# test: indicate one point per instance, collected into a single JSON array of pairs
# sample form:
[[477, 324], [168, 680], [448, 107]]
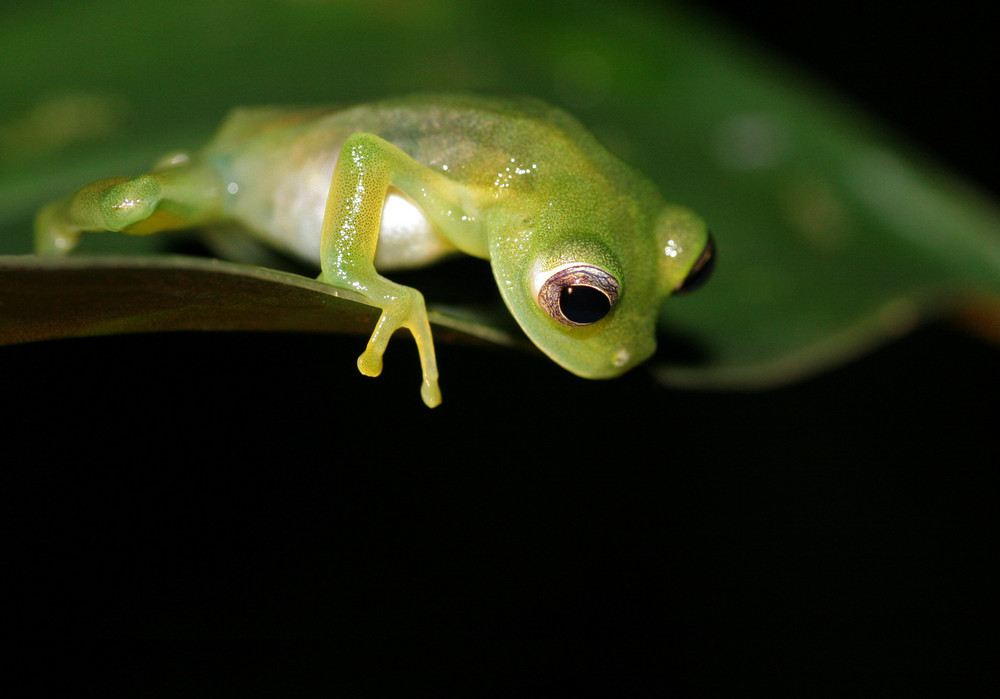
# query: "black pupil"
[[583, 304]]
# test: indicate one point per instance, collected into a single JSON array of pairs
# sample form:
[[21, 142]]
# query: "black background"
[[549, 534]]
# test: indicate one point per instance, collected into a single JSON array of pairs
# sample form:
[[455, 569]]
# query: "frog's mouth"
[[602, 350]]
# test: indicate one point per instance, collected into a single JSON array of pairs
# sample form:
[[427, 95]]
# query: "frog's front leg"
[[367, 165], [169, 199]]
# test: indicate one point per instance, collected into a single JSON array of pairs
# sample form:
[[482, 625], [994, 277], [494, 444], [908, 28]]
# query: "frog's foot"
[[406, 310], [112, 204]]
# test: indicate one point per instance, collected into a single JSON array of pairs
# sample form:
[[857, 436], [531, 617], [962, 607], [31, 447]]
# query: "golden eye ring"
[[577, 294]]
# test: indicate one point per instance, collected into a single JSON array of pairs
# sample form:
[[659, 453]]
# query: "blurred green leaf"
[[832, 236]]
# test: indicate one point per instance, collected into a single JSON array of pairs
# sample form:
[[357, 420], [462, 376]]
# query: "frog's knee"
[[130, 201]]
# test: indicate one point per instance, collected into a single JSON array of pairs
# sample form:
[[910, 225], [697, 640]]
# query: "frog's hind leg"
[[168, 199]]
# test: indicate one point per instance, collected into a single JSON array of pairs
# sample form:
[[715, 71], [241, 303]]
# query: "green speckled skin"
[[514, 180]]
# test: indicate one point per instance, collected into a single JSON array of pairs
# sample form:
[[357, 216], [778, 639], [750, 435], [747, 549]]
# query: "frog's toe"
[[431, 393], [53, 236], [370, 362]]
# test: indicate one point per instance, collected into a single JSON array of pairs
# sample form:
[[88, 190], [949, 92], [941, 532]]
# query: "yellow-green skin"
[[515, 181]]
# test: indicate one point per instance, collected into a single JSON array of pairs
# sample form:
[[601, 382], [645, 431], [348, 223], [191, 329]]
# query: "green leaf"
[[45, 298]]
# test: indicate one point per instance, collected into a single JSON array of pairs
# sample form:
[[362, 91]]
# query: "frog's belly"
[[286, 212]]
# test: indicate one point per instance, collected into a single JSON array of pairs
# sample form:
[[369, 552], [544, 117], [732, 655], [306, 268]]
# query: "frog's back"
[[461, 129]]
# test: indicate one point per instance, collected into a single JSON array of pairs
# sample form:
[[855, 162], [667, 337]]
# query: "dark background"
[[548, 533]]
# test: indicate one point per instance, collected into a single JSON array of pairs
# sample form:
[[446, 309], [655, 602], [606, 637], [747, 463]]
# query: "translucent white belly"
[[286, 211]]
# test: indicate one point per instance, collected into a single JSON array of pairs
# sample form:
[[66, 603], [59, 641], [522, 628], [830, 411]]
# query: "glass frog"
[[582, 247]]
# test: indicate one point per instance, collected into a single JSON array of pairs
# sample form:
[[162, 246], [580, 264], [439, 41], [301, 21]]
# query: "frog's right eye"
[[577, 294], [701, 270]]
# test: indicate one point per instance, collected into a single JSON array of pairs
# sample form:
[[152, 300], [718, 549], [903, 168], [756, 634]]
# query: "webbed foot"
[[404, 307], [111, 204], [410, 312]]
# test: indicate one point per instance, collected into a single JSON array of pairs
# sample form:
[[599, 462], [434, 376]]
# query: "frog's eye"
[[577, 294], [701, 270]]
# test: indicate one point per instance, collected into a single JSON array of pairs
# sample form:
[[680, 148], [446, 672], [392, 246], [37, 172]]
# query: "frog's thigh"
[[366, 167], [169, 199]]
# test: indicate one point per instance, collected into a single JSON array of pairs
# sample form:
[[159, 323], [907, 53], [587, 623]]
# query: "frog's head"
[[590, 300]]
